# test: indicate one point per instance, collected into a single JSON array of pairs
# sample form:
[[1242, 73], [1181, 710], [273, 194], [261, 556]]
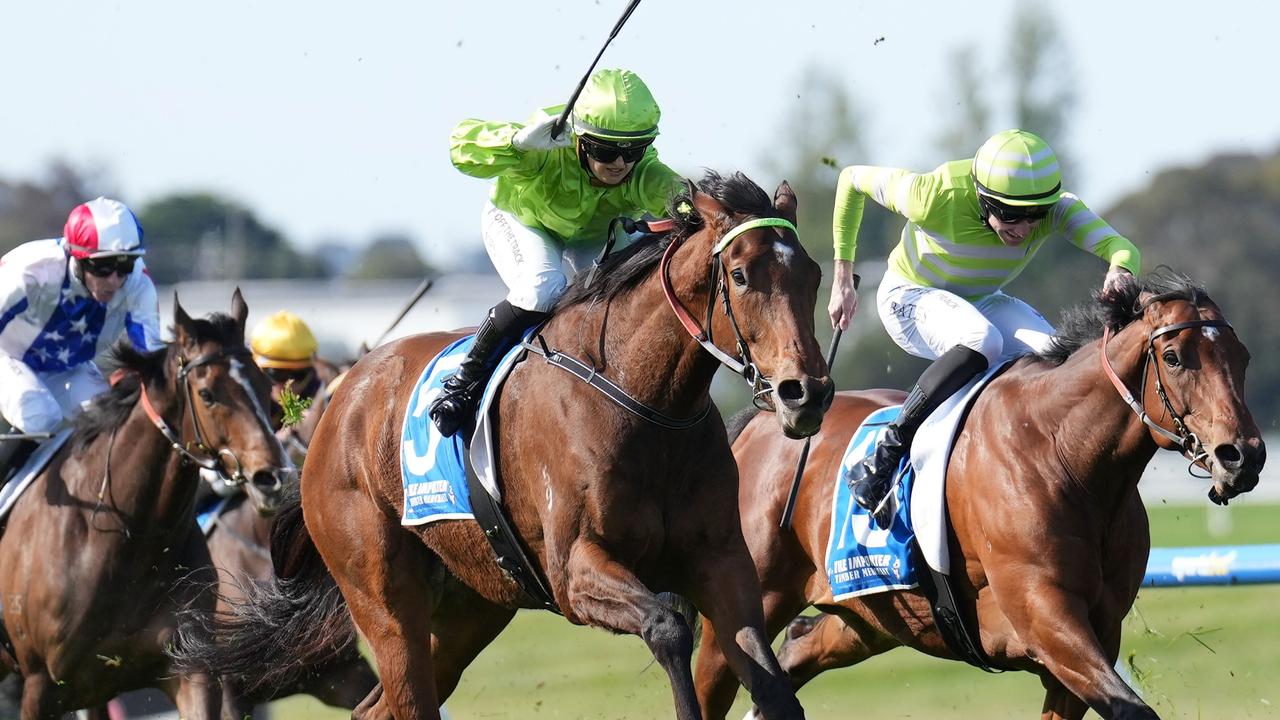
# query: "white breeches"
[[927, 322], [535, 266], [34, 402]]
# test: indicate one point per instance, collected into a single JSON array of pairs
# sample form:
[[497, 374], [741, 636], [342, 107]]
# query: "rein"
[[1189, 445], [209, 459], [746, 367]]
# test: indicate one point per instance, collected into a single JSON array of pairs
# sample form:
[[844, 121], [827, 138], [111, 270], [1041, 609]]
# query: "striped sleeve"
[[890, 187], [1089, 232]]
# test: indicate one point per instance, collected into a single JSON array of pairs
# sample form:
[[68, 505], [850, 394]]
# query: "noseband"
[[208, 457], [746, 367], [1188, 444]]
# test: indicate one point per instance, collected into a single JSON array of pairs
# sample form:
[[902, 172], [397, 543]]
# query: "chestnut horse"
[[611, 507], [1049, 537], [102, 549]]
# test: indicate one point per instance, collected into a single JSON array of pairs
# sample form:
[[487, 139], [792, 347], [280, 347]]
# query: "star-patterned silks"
[[70, 336]]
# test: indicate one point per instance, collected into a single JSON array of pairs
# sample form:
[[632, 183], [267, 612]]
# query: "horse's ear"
[[785, 201], [184, 331], [707, 206], [239, 310]]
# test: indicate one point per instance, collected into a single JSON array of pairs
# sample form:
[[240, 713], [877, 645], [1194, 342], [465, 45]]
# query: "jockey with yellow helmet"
[[972, 226], [284, 347], [550, 206]]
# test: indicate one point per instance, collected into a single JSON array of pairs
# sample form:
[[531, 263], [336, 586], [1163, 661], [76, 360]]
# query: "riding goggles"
[[607, 152], [1012, 213], [107, 266], [280, 376]]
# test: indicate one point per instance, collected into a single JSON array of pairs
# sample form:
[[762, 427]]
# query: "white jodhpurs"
[[535, 266], [37, 402], [927, 322]]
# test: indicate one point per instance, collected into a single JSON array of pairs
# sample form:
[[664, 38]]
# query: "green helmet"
[[616, 106], [1017, 168]]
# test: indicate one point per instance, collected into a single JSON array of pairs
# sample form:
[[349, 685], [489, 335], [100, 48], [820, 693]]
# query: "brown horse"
[[1049, 537], [102, 550], [612, 508]]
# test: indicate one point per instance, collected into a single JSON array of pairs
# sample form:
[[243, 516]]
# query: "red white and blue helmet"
[[102, 227]]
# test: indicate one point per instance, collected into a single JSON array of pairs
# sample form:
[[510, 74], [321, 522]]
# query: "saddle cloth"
[[30, 469], [862, 558], [432, 467]]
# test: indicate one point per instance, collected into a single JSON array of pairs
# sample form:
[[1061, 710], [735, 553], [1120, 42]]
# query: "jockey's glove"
[[537, 137]]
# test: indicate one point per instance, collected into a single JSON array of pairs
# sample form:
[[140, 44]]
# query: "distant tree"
[[1044, 86], [390, 256], [37, 209], [204, 236]]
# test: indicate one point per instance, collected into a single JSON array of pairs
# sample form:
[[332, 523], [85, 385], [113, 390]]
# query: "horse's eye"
[[206, 396], [739, 278], [1171, 358]]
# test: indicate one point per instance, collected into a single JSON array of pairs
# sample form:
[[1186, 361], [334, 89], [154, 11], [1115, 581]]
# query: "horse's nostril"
[[267, 481], [1228, 456], [790, 391]]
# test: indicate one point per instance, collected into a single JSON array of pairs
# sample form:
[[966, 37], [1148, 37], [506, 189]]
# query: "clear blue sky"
[[331, 120]]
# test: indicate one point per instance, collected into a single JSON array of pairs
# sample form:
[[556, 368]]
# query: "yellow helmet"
[[282, 340]]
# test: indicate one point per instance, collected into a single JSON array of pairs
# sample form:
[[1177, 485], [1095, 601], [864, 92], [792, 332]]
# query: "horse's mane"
[[109, 410], [626, 268], [1084, 323]]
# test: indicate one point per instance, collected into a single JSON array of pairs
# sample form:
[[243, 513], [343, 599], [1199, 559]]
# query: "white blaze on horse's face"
[[784, 252], [238, 374], [1210, 333]]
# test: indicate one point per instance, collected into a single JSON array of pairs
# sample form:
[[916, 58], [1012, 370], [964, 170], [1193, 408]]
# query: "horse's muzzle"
[[1237, 467], [266, 487], [801, 404]]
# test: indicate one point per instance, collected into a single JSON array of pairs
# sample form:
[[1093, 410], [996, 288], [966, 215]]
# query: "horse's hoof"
[[800, 627]]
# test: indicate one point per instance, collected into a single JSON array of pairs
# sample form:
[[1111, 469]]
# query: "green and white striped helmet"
[[616, 106], [1017, 168]]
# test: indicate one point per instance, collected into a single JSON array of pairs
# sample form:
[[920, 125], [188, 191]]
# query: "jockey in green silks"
[[550, 207], [972, 226]]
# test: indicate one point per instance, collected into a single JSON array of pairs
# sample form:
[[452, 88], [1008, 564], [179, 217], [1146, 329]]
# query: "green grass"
[[1195, 653]]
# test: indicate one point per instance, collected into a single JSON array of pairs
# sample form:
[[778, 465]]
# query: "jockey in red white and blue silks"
[[64, 302]]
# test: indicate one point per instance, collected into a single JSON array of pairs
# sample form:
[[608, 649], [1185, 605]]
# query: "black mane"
[[109, 410], [626, 268], [1082, 324]]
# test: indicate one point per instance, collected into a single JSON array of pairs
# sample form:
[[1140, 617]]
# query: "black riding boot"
[[505, 323], [873, 477]]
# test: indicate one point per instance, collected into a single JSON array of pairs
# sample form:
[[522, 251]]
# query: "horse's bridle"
[[746, 367], [209, 458], [1189, 445]]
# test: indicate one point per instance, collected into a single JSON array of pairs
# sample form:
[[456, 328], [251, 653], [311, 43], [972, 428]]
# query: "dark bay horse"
[[1049, 535], [612, 508], [102, 550]]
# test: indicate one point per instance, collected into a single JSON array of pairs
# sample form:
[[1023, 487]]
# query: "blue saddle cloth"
[[861, 558], [432, 467]]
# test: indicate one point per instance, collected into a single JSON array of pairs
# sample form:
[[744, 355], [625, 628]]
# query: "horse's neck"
[[637, 342], [1101, 442], [148, 484]]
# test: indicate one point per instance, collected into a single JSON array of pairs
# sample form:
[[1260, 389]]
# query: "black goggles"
[[1012, 213], [108, 266], [280, 376], [607, 152]]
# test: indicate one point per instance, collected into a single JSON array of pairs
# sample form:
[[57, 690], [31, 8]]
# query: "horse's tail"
[[283, 629], [739, 422]]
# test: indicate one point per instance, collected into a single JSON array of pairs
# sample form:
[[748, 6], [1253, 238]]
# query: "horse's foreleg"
[[39, 697], [604, 593], [715, 679], [728, 595], [1058, 629], [198, 697], [1060, 703]]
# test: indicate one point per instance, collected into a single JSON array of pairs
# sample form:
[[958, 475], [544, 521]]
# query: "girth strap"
[[502, 538], [956, 633]]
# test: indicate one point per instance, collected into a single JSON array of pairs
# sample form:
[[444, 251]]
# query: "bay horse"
[[612, 508], [1049, 536], [102, 550]]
